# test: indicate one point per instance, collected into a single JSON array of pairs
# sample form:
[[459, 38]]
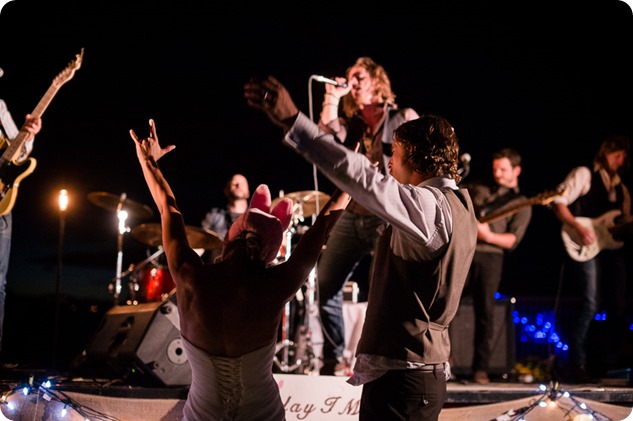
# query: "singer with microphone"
[[368, 115]]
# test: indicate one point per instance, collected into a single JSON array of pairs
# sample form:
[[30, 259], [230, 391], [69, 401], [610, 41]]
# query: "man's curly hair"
[[430, 146]]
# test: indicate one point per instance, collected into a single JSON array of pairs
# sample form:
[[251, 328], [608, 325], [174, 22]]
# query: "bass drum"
[[153, 283]]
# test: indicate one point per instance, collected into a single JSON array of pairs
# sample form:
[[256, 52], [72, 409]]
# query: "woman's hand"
[[149, 148]]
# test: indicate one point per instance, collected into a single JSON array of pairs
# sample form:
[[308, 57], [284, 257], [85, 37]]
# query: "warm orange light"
[[63, 200]]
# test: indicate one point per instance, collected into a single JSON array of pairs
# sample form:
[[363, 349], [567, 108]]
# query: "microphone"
[[465, 160], [324, 79]]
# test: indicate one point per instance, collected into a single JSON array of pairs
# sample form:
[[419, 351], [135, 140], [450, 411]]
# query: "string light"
[[49, 394], [551, 399]]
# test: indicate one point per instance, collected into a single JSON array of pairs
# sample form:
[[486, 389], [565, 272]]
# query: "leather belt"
[[355, 208], [431, 367]]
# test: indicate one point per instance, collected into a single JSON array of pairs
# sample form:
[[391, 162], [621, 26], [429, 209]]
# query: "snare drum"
[[153, 283]]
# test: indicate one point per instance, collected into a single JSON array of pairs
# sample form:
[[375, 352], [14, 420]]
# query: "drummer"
[[218, 219]]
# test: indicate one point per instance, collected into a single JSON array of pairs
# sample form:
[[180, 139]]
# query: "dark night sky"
[[548, 82]]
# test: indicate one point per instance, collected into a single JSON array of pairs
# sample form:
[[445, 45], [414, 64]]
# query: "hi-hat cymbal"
[[110, 202], [305, 202], [152, 235]]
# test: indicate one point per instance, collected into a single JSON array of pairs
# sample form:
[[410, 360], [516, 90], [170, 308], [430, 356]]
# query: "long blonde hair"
[[381, 82]]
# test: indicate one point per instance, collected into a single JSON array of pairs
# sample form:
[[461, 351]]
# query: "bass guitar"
[[12, 172], [540, 199], [607, 231]]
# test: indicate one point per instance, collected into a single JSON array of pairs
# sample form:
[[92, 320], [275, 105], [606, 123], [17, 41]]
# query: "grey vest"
[[411, 303]]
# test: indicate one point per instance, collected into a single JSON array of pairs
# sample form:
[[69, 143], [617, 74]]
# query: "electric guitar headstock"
[[68, 73], [548, 196]]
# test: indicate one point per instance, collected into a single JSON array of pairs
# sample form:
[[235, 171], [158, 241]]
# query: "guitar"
[[606, 231], [11, 172], [540, 199]]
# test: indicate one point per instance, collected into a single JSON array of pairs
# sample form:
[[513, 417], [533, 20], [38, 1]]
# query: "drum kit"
[[149, 280]]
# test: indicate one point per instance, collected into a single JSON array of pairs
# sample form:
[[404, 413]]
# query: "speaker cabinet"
[[462, 334], [142, 339]]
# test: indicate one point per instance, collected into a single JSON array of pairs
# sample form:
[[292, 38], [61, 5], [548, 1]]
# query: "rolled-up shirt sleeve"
[[419, 214], [11, 131], [576, 184]]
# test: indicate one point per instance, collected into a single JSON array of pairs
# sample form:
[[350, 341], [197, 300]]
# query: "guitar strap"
[[497, 201]]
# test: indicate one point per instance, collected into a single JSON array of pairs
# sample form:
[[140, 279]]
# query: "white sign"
[[308, 397]]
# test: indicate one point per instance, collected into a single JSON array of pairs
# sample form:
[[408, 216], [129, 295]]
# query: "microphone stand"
[[311, 309], [286, 344]]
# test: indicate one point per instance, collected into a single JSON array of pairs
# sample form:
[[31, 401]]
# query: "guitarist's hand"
[[483, 232], [586, 235], [149, 147], [32, 125]]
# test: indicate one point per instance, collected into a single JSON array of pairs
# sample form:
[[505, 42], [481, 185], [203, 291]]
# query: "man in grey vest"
[[422, 256]]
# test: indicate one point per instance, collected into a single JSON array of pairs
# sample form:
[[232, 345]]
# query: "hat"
[[268, 223]]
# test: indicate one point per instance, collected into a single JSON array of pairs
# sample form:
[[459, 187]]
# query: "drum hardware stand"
[[140, 265], [312, 366], [310, 362], [122, 216], [311, 310], [285, 345]]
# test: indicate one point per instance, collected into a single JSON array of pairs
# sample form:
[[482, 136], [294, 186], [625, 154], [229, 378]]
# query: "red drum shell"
[[155, 283]]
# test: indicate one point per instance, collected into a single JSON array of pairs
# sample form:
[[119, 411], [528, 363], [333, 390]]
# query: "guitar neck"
[[16, 144], [507, 211], [12, 151]]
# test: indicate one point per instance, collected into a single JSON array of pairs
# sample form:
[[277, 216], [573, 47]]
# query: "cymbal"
[[305, 201], [149, 234], [110, 202], [152, 235], [200, 238]]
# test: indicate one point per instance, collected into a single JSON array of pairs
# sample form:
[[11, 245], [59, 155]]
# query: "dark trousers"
[[404, 395], [484, 279], [601, 283], [353, 237]]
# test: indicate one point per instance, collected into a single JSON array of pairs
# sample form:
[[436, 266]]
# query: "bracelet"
[[330, 103], [331, 94]]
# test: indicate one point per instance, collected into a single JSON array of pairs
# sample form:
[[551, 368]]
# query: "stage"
[[137, 373], [306, 397]]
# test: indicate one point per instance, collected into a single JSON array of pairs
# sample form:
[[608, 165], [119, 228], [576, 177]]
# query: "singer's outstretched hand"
[[271, 97]]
